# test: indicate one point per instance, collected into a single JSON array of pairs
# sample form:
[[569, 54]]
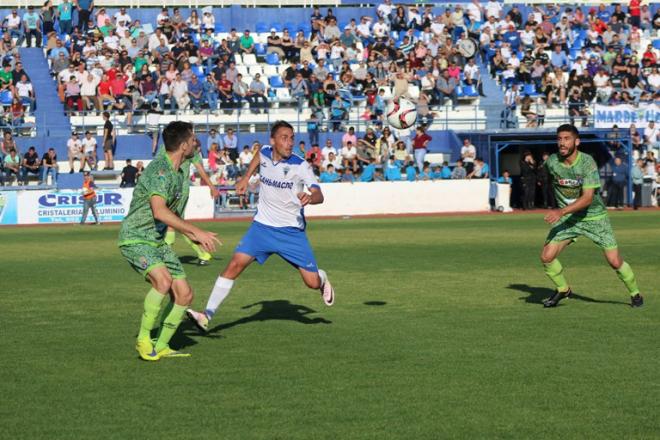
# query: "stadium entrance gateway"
[[505, 149]]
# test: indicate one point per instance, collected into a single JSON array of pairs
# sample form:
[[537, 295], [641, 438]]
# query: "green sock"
[[152, 304], [163, 314], [170, 325], [555, 272], [170, 236], [201, 253], [626, 275]]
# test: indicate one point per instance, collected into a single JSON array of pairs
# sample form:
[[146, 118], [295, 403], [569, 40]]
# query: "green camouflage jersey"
[[159, 178], [185, 167], [568, 181]]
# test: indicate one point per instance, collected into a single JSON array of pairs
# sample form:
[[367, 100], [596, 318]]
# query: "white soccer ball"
[[401, 113]]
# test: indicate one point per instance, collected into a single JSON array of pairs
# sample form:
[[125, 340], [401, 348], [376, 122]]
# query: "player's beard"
[[571, 150]]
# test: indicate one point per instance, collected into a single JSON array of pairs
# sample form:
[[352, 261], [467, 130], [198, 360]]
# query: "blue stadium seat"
[[459, 91], [305, 27], [275, 81], [273, 59], [470, 91], [277, 26], [219, 27], [197, 70], [260, 49], [530, 89], [5, 97]]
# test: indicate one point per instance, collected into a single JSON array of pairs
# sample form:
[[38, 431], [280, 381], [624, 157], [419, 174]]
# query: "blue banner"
[[625, 115]]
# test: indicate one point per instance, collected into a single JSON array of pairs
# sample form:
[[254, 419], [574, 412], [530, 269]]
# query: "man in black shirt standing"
[[108, 142], [528, 180], [128, 175]]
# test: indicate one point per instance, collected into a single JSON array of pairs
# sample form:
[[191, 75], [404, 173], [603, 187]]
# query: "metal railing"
[[466, 117]]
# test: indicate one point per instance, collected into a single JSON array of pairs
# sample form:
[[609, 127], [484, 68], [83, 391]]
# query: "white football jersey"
[[280, 184]]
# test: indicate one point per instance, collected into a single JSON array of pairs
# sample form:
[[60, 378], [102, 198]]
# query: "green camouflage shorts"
[[144, 258], [598, 230]]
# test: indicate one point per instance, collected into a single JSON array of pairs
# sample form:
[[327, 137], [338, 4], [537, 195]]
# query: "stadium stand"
[[470, 66]]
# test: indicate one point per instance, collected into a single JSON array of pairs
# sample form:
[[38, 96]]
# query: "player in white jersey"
[[279, 225]]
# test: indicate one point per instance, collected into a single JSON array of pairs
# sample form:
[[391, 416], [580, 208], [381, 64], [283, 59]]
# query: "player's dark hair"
[[176, 133], [570, 128], [277, 125]]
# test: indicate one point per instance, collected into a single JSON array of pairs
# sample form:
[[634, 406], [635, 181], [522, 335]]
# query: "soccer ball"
[[401, 113]]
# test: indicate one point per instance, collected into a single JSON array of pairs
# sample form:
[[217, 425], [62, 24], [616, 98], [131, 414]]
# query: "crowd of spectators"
[[18, 167], [376, 156], [572, 56], [17, 95], [112, 62]]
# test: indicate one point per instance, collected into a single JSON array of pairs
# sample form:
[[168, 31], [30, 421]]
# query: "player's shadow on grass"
[[270, 310], [536, 295]]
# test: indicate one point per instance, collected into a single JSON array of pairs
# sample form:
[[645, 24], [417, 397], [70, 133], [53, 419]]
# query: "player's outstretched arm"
[[207, 240], [580, 204], [241, 185]]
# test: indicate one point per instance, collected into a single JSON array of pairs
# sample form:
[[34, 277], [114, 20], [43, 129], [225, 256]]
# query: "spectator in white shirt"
[[438, 25], [474, 11], [493, 9], [468, 154], [88, 94], [333, 160], [179, 91], [327, 149], [13, 23], [89, 151], [122, 18], [67, 73], [155, 40], [74, 149], [349, 156], [364, 29], [208, 20], [384, 10], [25, 92], [654, 79], [162, 17], [245, 158], [111, 40], [381, 28], [651, 134], [601, 82]]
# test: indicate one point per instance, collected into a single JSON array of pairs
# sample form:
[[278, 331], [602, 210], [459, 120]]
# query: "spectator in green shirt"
[[6, 78], [246, 42]]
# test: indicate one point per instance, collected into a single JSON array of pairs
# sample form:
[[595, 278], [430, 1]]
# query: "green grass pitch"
[[437, 332]]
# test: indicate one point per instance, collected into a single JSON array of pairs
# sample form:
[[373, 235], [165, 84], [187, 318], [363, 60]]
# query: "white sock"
[[323, 277], [220, 291]]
